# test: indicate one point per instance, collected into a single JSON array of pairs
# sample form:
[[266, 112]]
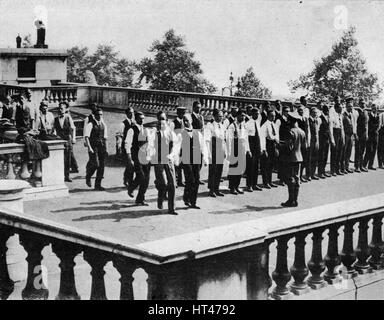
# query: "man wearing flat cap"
[[297, 139]]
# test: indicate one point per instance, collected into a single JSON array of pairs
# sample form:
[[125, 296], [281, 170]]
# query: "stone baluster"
[[377, 245], [66, 252], [10, 171], [97, 260], [24, 172], [332, 259], [348, 256], [281, 275], [316, 265], [362, 250], [6, 284], [35, 288], [126, 269], [299, 270]]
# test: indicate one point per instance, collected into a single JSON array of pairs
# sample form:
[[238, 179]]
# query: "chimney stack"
[[18, 41]]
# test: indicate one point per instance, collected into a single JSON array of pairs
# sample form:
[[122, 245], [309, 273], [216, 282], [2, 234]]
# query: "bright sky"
[[279, 39]]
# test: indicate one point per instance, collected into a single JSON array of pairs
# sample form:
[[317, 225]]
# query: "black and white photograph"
[[213, 150]]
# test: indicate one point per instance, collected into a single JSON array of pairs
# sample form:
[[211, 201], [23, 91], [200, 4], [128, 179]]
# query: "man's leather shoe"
[[328, 175], [88, 182], [99, 188], [219, 194], [287, 204], [322, 176], [273, 185], [281, 183], [193, 206], [68, 180], [302, 179], [372, 168], [173, 212], [233, 191], [350, 170], [212, 194], [309, 179], [339, 173], [239, 191], [187, 204], [267, 186], [248, 189], [143, 203], [130, 193], [334, 174], [315, 178], [364, 169], [257, 188], [357, 170]]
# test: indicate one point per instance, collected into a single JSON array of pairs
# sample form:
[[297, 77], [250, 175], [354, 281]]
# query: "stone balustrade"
[[45, 177], [226, 262]]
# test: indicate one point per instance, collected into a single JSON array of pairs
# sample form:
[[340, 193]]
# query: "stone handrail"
[[201, 263], [46, 176]]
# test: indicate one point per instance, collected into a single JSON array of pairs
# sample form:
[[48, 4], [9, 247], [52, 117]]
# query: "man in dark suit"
[[297, 138], [324, 142], [373, 136], [361, 136]]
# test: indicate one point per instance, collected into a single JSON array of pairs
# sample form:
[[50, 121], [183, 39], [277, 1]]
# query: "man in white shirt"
[[176, 126], [136, 145], [44, 119], [96, 135], [217, 150], [165, 147], [193, 152], [269, 158], [231, 117], [257, 146], [336, 129], [238, 151]]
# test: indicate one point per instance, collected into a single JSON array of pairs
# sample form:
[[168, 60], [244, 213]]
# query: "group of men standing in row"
[[251, 140]]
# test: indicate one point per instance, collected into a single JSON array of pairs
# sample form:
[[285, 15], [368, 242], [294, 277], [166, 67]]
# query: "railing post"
[[126, 269], [66, 252], [97, 260], [317, 265], [35, 288], [362, 250], [281, 275], [6, 284], [258, 279], [299, 270], [10, 171], [376, 245], [332, 259], [348, 256]]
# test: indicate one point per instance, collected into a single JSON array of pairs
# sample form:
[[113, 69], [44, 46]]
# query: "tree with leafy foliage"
[[105, 63], [252, 87], [173, 67], [343, 72]]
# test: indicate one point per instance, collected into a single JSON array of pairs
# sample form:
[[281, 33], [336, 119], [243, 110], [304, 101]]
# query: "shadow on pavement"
[[118, 216], [246, 209]]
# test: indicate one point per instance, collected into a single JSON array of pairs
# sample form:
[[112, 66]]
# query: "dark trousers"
[[323, 154], [234, 180], [371, 148], [128, 171], [360, 146], [96, 162], [142, 172], [214, 176], [74, 164], [165, 183], [68, 150], [293, 181], [192, 178], [267, 163], [380, 148], [347, 152], [313, 159], [179, 173], [336, 151], [305, 165], [252, 169]]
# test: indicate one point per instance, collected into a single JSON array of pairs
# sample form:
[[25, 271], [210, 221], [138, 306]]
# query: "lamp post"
[[231, 86]]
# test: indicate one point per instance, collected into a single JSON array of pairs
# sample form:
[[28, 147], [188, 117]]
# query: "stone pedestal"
[[12, 193]]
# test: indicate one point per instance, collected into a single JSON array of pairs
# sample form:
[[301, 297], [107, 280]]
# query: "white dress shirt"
[[251, 126]]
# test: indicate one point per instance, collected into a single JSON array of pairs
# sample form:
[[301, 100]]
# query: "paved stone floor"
[[113, 214]]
